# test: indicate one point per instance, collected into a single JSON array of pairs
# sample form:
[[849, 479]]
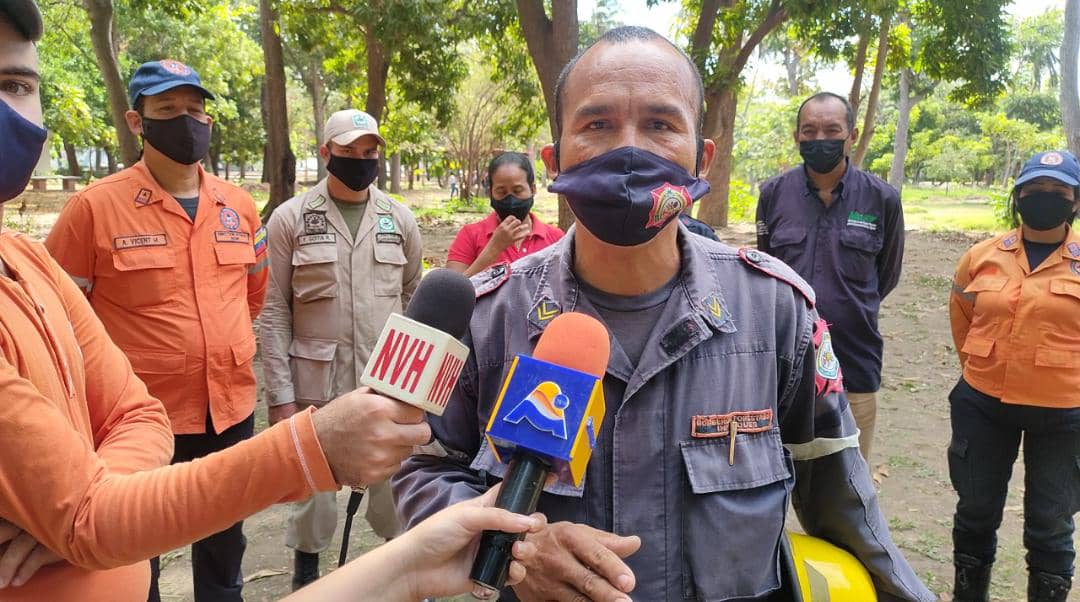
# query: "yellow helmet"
[[827, 573]]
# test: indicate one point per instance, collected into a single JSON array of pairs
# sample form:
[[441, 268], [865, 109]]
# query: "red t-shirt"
[[472, 239]]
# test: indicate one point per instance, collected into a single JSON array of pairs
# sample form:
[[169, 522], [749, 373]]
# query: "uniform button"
[[754, 256]]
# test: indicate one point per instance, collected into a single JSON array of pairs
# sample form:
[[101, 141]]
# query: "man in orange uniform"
[[82, 475], [173, 260]]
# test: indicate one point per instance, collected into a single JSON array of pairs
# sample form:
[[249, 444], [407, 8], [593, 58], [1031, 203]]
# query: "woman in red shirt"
[[512, 230]]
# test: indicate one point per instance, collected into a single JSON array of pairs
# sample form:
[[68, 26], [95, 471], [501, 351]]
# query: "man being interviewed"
[[173, 261], [724, 399], [344, 256]]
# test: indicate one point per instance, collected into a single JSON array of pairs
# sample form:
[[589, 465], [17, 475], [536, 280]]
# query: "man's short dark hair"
[[24, 16], [828, 96], [622, 35]]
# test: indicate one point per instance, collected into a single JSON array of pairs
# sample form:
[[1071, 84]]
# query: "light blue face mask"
[[20, 148]]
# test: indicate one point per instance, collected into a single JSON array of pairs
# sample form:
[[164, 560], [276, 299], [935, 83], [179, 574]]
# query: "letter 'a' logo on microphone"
[[544, 408]]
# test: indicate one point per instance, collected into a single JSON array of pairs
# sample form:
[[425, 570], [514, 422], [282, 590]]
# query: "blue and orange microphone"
[[545, 421]]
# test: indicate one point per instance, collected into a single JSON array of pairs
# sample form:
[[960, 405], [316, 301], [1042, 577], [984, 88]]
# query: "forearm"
[[426, 484], [380, 574], [488, 256], [112, 520], [835, 500], [275, 336]]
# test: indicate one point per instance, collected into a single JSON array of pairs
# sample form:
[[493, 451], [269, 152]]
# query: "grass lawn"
[[960, 208], [926, 207]]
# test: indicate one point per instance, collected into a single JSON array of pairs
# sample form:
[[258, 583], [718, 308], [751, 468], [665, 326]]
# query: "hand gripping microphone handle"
[[418, 358], [545, 421], [520, 493]]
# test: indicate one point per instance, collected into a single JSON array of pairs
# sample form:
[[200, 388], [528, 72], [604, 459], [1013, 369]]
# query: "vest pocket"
[[389, 265], [312, 362], [315, 272]]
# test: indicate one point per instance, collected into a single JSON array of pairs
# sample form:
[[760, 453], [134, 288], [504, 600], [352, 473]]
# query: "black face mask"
[[822, 156], [512, 205], [356, 174], [1044, 210], [183, 139]]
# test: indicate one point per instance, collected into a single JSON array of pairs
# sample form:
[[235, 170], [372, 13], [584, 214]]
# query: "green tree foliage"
[[75, 107]]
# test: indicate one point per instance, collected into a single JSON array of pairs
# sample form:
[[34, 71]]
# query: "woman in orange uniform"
[[1015, 313]]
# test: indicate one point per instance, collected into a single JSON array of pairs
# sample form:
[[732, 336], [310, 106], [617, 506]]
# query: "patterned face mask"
[[626, 196]]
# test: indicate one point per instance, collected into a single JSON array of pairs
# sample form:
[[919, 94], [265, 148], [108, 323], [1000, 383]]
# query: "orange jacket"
[[178, 298], [1018, 331], [83, 443]]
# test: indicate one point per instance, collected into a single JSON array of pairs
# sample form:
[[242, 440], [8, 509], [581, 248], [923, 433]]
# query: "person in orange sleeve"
[[173, 261], [1015, 313]]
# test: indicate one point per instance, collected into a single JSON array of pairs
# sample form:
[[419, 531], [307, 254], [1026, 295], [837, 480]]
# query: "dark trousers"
[[215, 561], [986, 436]]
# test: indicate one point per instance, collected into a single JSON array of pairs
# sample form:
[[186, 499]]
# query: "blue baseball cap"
[[156, 77], [1059, 165]]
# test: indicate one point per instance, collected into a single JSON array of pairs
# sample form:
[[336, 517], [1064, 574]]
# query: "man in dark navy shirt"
[[841, 229]]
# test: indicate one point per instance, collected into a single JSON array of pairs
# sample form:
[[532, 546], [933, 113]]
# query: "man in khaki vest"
[[344, 256]]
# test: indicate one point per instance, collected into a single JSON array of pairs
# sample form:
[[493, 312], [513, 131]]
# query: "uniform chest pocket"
[[859, 249], [742, 501], [234, 260], [314, 274], [985, 284], [145, 277], [1066, 289], [389, 268], [785, 241]]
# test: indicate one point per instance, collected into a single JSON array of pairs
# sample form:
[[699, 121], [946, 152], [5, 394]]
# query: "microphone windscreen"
[[444, 300], [575, 340]]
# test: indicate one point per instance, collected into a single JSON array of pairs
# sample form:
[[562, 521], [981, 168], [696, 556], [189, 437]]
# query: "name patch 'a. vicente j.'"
[[139, 240]]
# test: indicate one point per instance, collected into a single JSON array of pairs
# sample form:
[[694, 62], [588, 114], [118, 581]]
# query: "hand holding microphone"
[[365, 437], [417, 361], [546, 421]]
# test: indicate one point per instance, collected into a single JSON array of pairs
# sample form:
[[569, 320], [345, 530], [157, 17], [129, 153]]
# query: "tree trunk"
[[552, 43], [72, 159], [412, 175], [791, 64], [1070, 95], [378, 70], [720, 126], [870, 118], [243, 171], [315, 83], [97, 161], [903, 124], [215, 159], [395, 173], [101, 12], [280, 164], [855, 95], [110, 158], [226, 170]]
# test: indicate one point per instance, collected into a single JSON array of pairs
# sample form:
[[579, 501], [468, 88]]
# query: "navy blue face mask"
[[626, 196], [20, 148]]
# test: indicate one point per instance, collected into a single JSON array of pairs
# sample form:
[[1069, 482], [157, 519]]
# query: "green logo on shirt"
[[862, 220]]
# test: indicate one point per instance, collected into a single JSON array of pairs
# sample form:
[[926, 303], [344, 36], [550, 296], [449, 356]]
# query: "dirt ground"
[[909, 454]]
